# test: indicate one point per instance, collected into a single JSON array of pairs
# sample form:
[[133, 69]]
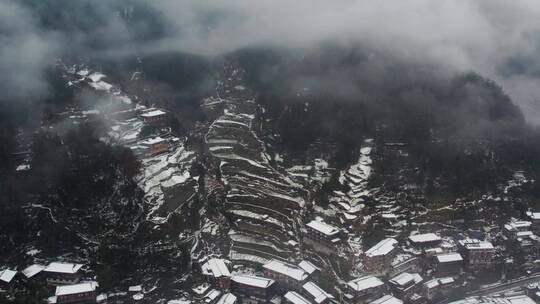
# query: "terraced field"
[[167, 183], [263, 201]]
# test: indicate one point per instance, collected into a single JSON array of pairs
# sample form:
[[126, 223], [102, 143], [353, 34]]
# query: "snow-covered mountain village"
[[260, 235], [269, 151]]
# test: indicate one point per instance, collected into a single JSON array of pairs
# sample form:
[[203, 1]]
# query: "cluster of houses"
[[66, 282], [421, 270], [524, 234], [425, 267], [279, 281], [158, 141], [65, 278]]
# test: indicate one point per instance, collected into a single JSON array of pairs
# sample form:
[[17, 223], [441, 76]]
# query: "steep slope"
[[263, 202]]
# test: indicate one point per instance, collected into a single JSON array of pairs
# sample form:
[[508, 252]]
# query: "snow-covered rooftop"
[[201, 289], [295, 298], [387, 299], [438, 281], [253, 281], [308, 267], [449, 257], [96, 76], [216, 268], [212, 295], [76, 288], [318, 294], [63, 267], [324, 228], [433, 251], [533, 215], [424, 238], [515, 299], [406, 278], [135, 288], [227, 298], [23, 167], [32, 270], [524, 233], [7, 275], [383, 247], [479, 245], [364, 283], [517, 226], [179, 301], [289, 270], [101, 85]]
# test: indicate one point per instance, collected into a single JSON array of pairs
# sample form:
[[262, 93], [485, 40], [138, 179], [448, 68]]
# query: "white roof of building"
[[466, 241], [438, 281], [253, 281], [364, 283], [387, 299], [153, 113], [295, 298], [76, 288], [324, 228], [435, 250], [135, 288], [383, 247], [179, 301], [479, 245], [32, 270], [289, 270], [517, 225], [424, 238], [227, 298], [518, 299], [318, 294], [201, 289], [405, 278], [212, 295], [446, 280], [533, 215], [308, 267], [216, 268], [449, 257], [524, 233], [63, 267], [7, 275]]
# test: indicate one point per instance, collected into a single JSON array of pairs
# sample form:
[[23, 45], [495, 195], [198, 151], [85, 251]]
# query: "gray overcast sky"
[[497, 38]]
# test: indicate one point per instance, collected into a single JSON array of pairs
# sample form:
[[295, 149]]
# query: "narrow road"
[[499, 288], [505, 286]]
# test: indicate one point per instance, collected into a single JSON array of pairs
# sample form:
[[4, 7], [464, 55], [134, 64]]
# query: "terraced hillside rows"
[[355, 177], [263, 202], [167, 182]]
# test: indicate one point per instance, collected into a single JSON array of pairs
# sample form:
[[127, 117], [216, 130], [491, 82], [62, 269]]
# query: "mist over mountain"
[[493, 38]]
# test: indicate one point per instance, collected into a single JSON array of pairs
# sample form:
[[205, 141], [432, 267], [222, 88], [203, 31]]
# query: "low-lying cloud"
[[492, 37]]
